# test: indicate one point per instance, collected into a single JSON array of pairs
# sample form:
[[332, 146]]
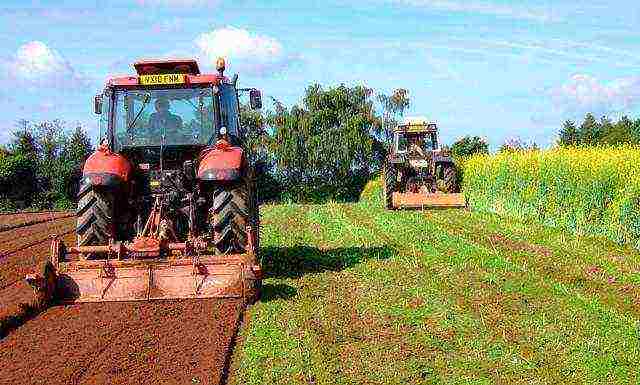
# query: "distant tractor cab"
[[417, 173], [167, 206]]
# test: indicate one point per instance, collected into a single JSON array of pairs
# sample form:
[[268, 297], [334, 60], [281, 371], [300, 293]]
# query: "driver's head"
[[162, 105]]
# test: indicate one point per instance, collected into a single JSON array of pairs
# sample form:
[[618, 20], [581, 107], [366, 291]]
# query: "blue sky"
[[491, 68]]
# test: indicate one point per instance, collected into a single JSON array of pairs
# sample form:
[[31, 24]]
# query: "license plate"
[[162, 79]]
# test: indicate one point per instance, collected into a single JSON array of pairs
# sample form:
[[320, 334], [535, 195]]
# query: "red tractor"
[[167, 206]]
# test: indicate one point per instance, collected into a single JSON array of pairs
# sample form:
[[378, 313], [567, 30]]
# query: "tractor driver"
[[163, 119], [415, 147]]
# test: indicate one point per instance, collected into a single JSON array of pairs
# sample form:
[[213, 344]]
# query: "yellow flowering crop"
[[586, 190]]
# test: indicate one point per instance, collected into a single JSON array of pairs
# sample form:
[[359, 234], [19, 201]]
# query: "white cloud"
[[485, 8], [244, 51], [37, 65], [584, 93]]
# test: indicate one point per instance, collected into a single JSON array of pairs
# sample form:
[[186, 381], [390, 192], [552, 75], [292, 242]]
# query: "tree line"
[[592, 132], [41, 165]]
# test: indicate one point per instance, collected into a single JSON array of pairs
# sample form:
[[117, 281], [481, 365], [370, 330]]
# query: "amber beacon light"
[[220, 65]]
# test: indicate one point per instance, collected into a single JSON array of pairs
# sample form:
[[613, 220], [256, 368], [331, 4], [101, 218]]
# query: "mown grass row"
[[585, 190], [355, 294]]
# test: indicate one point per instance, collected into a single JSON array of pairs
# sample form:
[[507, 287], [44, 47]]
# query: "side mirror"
[[97, 104], [255, 99]]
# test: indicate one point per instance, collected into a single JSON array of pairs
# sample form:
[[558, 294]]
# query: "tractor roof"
[[188, 67], [417, 124], [173, 66]]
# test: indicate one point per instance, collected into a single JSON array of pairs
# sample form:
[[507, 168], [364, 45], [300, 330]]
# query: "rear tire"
[[450, 179], [95, 214], [229, 217], [388, 185]]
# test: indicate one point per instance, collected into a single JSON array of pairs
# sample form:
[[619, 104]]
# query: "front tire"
[[389, 182], [95, 216], [450, 179], [229, 217]]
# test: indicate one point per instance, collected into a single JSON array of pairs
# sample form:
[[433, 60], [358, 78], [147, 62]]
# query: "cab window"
[[401, 142], [229, 108]]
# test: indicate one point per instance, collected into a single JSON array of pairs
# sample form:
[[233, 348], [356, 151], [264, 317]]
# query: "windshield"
[[180, 116], [411, 141]]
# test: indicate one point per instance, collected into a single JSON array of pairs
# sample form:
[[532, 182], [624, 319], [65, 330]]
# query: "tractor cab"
[[415, 137], [170, 103]]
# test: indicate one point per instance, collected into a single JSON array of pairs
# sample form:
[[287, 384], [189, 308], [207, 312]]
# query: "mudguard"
[[221, 162], [105, 168]]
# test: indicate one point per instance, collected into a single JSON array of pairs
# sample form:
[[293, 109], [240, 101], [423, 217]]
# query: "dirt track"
[[168, 342]]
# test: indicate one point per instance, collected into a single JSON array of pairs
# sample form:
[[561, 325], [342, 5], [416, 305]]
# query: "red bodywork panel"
[[103, 165], [133, 81], [221, 162]]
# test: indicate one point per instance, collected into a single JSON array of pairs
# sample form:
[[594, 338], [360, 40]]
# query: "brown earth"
[[21, 237], [16, 261], [11, 221], [18, 304], [15, 266], [168, 342]]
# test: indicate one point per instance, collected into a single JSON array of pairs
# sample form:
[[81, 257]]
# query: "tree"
[[399, 101], [258, 140], [589, 132], [24, 141], [76, 148], [43, 164], [393, 106], [17, 178], [619, 133], [569, 134], [468, 146], [325, 147], [635, 131]]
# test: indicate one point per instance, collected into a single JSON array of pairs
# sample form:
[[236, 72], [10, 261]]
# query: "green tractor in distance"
[[417, 173]]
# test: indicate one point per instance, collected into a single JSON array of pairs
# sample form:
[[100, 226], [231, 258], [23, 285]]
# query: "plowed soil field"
[[23, 248], [167, 342], [173, 342], [10, 221]]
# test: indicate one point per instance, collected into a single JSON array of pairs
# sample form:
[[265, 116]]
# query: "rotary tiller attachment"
[[144, 270]]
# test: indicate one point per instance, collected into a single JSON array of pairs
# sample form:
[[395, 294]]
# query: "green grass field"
[[358, 295]]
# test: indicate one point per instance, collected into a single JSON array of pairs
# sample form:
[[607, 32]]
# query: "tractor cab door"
[[400, 143], [229, 113]]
